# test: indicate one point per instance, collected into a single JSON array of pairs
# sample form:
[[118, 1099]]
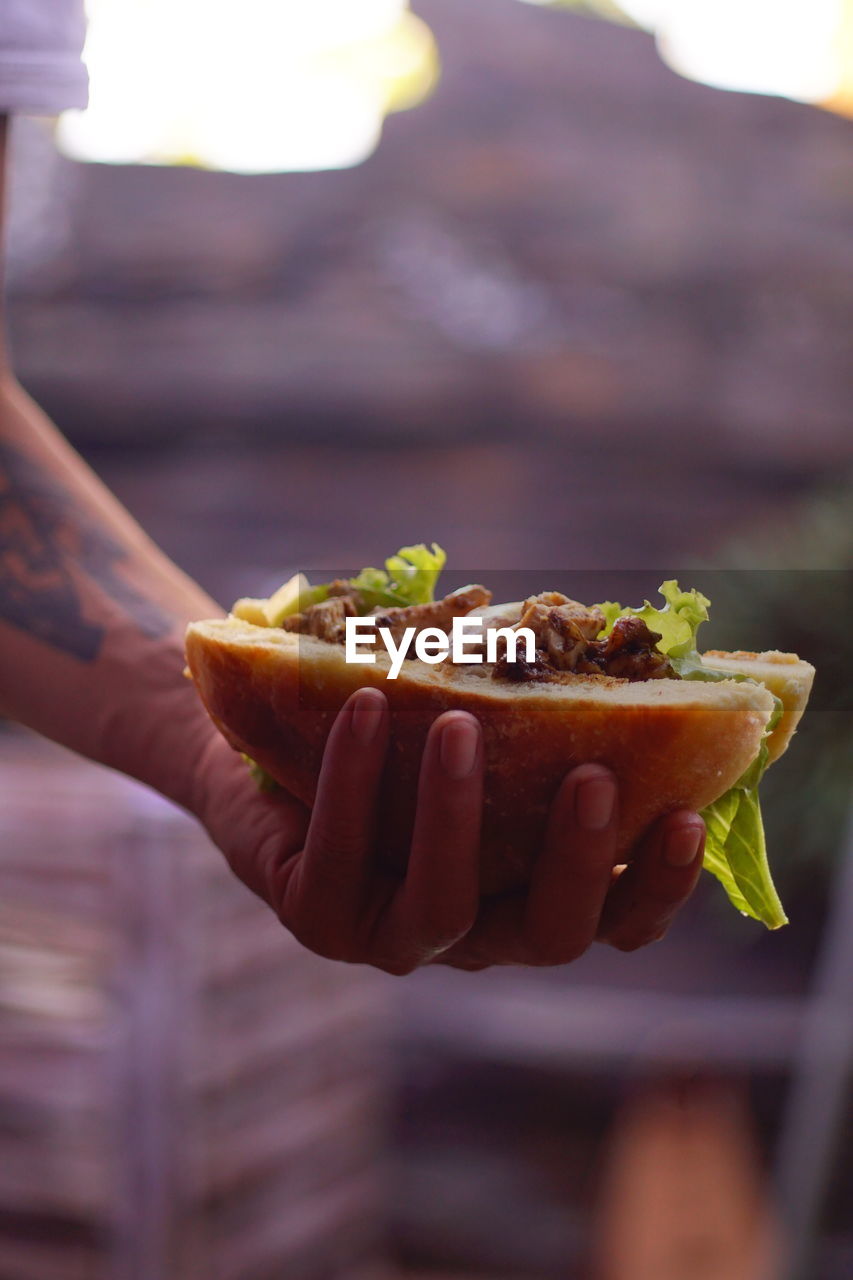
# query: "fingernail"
[[366, 715], [595, 800], [458, 751], [682, 845]]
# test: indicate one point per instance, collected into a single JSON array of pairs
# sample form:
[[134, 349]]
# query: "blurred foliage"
[[800, 599]]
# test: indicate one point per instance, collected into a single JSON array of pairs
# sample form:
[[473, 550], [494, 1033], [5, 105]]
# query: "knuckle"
[[658, 900], [551, 946], [397, 967], [438, 932], [264, 871], [336, 839], [313, 938], [666, 898], [592, 869], [313, 932], [552, 956]]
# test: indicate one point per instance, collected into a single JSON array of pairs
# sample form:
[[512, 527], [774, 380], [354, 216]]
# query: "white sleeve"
[[41, 72]]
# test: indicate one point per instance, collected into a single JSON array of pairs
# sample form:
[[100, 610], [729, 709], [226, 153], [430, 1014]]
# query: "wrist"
[[153, 725]]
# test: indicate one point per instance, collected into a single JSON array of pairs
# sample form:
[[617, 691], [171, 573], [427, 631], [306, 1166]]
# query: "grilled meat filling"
[[565, 633], [326, 620], [440, 613], [629, 653], [521, 671]]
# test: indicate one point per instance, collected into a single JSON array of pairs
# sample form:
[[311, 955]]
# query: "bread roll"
[[671, 743]]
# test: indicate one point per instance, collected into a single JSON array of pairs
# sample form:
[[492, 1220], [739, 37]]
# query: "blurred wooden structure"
[[684, 1196], [512, 1079], [185, 1093], [567, 240]]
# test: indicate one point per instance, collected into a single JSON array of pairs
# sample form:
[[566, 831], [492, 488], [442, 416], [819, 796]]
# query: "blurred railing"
[[184, 1090]]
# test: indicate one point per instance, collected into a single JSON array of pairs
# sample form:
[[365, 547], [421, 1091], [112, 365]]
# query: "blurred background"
[[565, 288]]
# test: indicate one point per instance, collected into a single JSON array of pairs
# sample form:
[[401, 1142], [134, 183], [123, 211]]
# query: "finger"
[[557, 919], [458, 957], [438, 900], [572, 876], [258, 833], [336, 863], [656, 883]]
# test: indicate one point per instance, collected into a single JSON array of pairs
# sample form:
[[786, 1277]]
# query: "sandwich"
[[625, 687]]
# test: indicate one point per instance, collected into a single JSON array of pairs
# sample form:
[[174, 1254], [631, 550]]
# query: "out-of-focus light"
[[786, 47], [256, 86], [800, 49]]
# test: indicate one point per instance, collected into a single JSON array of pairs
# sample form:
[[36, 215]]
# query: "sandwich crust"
[[671, 743], [784, 674]]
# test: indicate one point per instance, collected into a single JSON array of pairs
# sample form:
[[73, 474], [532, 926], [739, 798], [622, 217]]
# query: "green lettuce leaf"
[[677, 623], [263, 780], [735, 847], [736, 853], [409, 577]]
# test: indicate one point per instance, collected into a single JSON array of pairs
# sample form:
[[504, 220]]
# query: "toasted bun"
[[784, 674], [670, 743]]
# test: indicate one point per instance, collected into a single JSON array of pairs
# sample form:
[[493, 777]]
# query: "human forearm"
[[92, 613]]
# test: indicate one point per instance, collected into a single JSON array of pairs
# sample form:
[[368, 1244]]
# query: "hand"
[[317, 868]]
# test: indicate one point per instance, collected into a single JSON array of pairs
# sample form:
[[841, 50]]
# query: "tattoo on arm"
[[44, 537]]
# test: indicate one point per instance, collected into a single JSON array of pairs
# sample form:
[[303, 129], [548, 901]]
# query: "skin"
[[92, 617]]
